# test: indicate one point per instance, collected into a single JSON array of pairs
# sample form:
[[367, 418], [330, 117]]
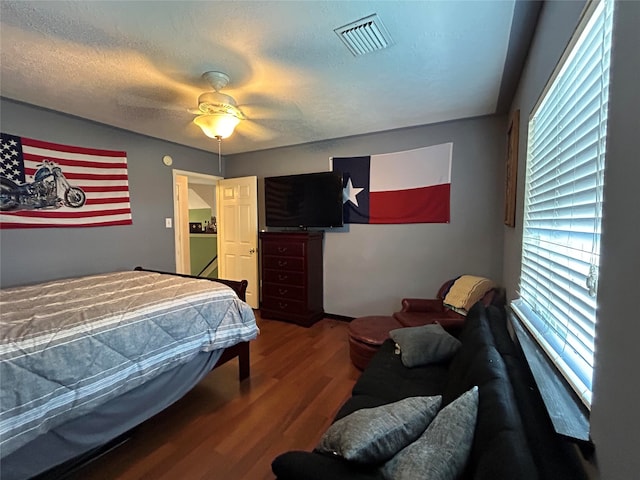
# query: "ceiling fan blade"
[[192, 130], [270, 112], [253, 130], [138, 101], [259, 106]]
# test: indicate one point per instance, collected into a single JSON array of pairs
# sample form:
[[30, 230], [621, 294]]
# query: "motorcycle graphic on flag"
[[49, 189]]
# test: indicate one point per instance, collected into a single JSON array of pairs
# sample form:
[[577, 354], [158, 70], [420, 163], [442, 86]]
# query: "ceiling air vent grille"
[[365, 35]]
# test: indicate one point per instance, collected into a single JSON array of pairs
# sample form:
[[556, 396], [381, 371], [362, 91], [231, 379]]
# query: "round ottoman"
[[366, 334]]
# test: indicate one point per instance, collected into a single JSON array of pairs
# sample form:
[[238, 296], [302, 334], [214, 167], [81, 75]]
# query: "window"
[[563, 202]]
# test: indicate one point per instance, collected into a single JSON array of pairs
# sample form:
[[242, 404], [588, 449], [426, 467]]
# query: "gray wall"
[[368, 269], [615, 417], [31, 255]]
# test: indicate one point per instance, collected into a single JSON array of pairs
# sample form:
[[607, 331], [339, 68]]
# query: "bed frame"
[[241, 350]]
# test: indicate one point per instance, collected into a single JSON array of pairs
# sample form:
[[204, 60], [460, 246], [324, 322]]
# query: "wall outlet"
[[168, 222]]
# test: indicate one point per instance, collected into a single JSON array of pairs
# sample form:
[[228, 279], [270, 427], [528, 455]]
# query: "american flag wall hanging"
[[45, 184]]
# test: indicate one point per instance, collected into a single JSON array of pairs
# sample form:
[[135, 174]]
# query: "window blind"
[[563, 202]]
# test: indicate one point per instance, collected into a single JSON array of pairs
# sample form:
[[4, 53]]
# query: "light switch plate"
[[168, 222]]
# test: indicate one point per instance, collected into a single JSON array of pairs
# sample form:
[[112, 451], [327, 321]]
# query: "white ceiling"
[[137, 65]]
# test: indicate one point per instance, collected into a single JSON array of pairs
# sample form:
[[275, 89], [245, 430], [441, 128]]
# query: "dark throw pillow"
[[374, 435], [442, 451], [425, 344]]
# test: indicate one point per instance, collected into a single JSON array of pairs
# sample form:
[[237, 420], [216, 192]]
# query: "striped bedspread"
[[68, 346]]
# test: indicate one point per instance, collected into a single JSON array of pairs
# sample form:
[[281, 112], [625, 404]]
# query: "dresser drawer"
[[286, 292], [284, 306], [279, 276], [283, 263], [283, 249]]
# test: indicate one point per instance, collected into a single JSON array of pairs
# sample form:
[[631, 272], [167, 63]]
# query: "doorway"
[[195, 224]]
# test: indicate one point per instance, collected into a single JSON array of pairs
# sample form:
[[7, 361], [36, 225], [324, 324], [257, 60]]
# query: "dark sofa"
[[513, 436]]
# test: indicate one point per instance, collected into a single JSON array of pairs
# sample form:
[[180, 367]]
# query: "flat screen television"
[[304, 200]]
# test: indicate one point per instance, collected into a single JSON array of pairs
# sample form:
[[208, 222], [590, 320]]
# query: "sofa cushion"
[[424, 345], [442, 450], [387, 379], [500, 447], [476, 327], [506, 457], [299, 465], [475, 337], [373, 435], [466, 371], [497, 321]]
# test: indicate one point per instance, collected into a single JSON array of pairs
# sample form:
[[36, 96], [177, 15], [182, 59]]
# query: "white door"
[[181, 221], [237, 209]]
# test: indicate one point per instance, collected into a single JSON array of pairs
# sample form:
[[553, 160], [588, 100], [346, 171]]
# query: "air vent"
[[365, 35]]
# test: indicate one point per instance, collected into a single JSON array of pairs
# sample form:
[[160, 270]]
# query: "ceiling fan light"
[[217, 125]]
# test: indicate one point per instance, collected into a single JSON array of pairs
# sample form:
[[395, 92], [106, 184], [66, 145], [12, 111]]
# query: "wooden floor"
[[224, 429]]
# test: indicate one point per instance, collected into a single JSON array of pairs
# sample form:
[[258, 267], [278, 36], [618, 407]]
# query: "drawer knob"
[[283, 305], [282, 277], [282, 263], [282, 291], [282, 249]]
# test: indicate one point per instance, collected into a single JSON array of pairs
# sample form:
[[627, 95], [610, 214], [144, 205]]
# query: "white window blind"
[[563, 202]]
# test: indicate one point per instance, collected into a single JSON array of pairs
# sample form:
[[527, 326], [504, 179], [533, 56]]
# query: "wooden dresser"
[[292, 276]]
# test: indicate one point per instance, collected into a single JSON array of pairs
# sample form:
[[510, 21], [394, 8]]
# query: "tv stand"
[[292, 277]]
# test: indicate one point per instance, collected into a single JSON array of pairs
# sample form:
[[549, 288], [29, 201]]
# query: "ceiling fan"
[[218, 113]]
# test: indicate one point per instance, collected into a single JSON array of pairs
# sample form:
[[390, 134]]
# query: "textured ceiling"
[[137, 65]]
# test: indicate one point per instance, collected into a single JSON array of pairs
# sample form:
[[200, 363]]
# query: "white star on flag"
[[349, 193]]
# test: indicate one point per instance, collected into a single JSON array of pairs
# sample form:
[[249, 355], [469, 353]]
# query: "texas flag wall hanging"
[[413, 186]]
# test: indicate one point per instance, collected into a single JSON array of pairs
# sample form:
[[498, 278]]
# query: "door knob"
[[253, 250]]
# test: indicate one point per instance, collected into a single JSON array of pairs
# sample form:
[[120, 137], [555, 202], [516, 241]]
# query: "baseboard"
[[342, 318]]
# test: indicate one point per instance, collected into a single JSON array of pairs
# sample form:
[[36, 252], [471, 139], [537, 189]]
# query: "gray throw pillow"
[[424, 345], [442, 451], [374, 435]]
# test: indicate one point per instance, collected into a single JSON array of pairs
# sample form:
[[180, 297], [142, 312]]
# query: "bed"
[[85, 360]]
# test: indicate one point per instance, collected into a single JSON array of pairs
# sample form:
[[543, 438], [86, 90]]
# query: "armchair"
[[422, 311]]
